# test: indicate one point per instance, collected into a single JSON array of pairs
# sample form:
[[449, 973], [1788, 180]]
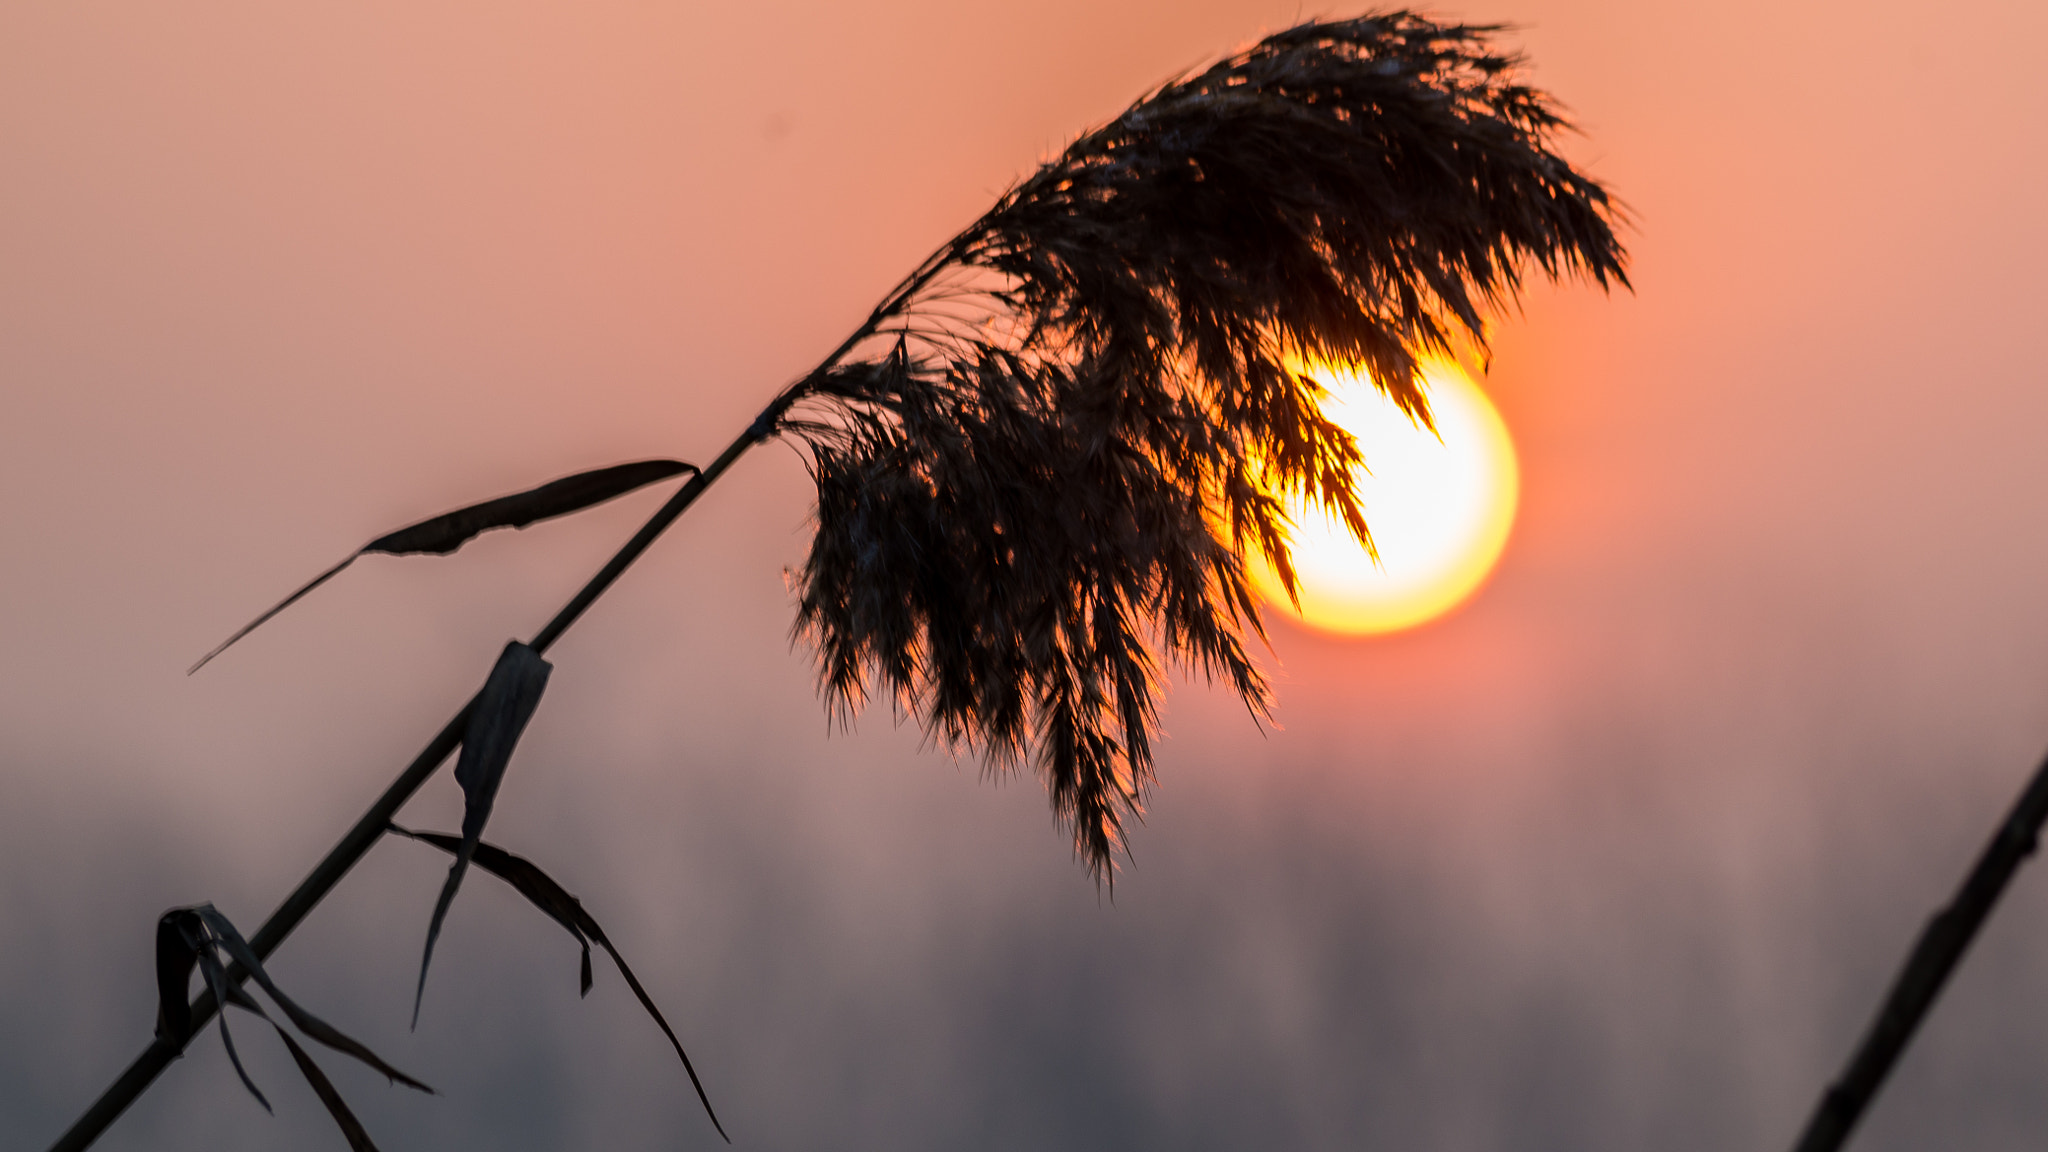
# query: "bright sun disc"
[[1439, 510]]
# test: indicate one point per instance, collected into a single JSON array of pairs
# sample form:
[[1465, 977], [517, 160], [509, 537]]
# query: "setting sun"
[[1439, 510]]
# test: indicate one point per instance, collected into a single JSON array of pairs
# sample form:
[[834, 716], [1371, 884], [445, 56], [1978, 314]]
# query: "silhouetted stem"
[[367, 830], [370, 828], [1939, 950]]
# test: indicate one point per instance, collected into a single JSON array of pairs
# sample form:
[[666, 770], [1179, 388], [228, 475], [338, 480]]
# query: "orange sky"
[[1618, 856]]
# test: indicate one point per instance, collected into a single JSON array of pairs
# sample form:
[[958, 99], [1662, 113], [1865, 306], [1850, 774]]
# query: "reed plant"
[[1042, 459]]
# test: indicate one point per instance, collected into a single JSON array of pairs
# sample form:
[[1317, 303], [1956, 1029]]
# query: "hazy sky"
[[1618, 857]]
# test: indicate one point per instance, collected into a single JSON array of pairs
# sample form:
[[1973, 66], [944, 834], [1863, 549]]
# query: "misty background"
[[1619, 856]]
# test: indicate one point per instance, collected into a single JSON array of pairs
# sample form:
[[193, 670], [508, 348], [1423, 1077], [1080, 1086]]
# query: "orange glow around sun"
[[1439, 510]]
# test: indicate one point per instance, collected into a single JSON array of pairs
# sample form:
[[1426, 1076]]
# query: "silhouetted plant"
[[1017, 495], [1041, 459]]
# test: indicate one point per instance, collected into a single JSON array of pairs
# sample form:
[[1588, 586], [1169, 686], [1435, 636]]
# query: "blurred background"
[[1619, 856]]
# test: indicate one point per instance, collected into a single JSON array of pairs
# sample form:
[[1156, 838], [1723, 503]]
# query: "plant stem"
[[370, 828], [155, 1058], [1927, 969]]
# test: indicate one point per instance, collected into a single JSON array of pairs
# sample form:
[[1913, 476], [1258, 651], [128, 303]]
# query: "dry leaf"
[[544, 893], [445, 533], [502, 709]]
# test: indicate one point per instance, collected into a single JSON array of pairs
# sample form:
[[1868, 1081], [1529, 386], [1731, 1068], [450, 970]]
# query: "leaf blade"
[[525, 877], [238, 949], [440, 535], [274, 609], [543, 892], [508, 700], [647, 1002], [352, 1128], [175, 959], [443, 534], [193, 931]]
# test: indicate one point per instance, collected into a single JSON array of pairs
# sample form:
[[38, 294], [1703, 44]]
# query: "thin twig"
[[1940, 948], [371, 826], [154, 1059], [1144, 288]]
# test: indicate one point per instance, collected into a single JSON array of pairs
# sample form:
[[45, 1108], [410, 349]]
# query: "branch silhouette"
[[1928, 967], [1040, 458]]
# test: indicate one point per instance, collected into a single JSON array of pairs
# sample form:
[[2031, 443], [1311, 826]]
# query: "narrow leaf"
[[358, 1139], [280, 606], [526, 877], [174, 960], [238, 949], [445, 533], [451, 530], [544, 893], [192, 935], [647, 1002], [193, 929], [507, 702]]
